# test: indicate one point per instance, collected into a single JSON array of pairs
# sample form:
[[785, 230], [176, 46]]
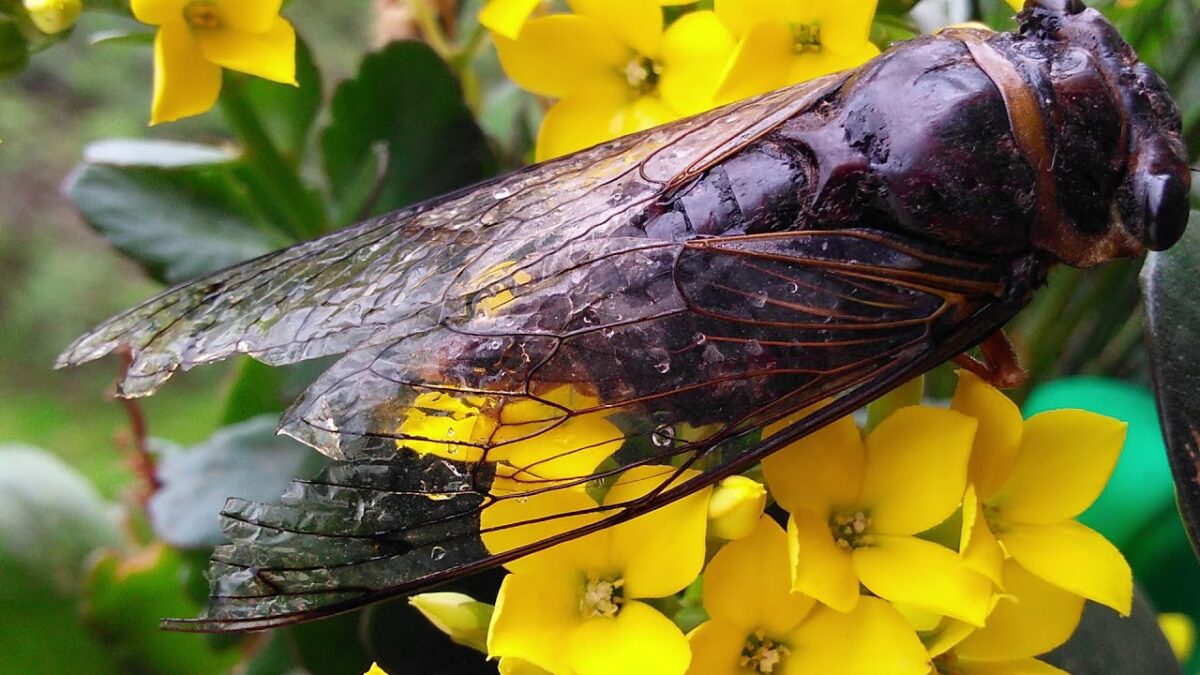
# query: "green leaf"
[[257, 390], [176, 208], [405, 99], [127, 595], [243, 460], [288, 112], [51, 519], [121, 37], [1173, 307], [1105, 642]]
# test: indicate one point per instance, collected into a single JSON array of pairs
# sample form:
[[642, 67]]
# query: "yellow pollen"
[[805, 37], [601, 597], [762, 654], [641, 73], [850, 530], [202, 14]]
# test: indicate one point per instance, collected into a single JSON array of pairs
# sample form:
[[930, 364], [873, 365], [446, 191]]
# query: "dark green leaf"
[[333, 646], [288, 112], [1173, 307], [126, 597], [243, 460], [1107, 643], [175, 208], [257, 390], [405, 98], [121, 37]]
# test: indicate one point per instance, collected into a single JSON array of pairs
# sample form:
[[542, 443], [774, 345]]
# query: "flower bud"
[[460, 616], [735, 507], [53, 16]]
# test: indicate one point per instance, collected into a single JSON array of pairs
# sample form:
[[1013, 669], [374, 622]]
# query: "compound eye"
[[1163, 200]]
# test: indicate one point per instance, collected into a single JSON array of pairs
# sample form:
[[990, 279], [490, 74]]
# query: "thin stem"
[[303, 216], [141, 461], [431, 28]]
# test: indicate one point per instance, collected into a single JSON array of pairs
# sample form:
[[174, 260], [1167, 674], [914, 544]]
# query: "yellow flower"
[[757, 624], [506, 17], [575, 608], [375, 670], [461, 617], [615, 69], [1017, 5], [782, 42], [855, 508], [1033, 477], [1032, 618], [1180, 632], [531, 439], [197, 38], [511, 666], [53, 16], [735, 508]]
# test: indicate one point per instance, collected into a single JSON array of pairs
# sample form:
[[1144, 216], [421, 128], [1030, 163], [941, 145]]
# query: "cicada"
[[679, 302]]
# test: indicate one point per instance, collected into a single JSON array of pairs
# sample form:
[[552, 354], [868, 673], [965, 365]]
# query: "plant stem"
[[303, 216], [431, 28]]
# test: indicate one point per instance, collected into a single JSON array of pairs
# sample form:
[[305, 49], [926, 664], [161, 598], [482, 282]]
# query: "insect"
[[658, 300]]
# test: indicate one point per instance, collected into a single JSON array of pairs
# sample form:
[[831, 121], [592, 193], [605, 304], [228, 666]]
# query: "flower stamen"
[[761, 654], [850, 530], [805, 37], [202, 14], [642, 74], [601, 597]]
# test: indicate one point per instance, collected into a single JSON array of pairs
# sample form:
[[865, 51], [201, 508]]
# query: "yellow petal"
[[592, 115], [694, 52], [534, 618], [813, 64], [845, 25], [506, 17], [258, 16], [555, 449], [1037, 618], [448, 426], [820, 470], [1017, 5], [661, 552], [637, 640], [741, 15], [1180, 632], [529, 519], [1065, 460], [999, 435], [748, 584], [873, 638], [646, 112], [156, 12], [1019, 667], [560, 54], [510, 665], [949, 633], [1074, 558], [924, 574], [759, 64], [736, 508], [270, 55], [185, 83], [820, 568], [978, 546], [638, 24], [716, 648], [916, 468]]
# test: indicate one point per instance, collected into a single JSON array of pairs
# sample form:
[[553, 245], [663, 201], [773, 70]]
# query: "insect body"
[[660, 300]]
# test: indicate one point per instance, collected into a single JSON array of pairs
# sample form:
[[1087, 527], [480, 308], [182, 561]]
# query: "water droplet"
[[754, 348], [712, 354], [608, 332], [663, 366], [522, 499], [793, 287], [664, 436], [451, 450], [437, 553], [494, 344], [502, 193], [450, 431], [758, 299], [700, 339]]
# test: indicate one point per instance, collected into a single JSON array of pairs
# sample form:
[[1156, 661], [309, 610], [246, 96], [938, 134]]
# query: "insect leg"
[[1000, 366]]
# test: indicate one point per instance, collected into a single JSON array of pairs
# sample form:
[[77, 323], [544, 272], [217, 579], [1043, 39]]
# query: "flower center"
[[850, 529], [946, 664], [762, 654], [641, 73], [202, 14], [601, 597], [805, 37], [991, 515]]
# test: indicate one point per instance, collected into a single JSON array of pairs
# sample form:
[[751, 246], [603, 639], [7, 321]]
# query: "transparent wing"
[[420, 268], [451, 443]]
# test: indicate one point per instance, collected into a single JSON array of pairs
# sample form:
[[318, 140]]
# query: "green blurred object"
[[1137, 510]]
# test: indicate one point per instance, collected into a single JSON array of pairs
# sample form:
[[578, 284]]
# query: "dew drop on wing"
[[664, 436], [437, 553], [758, 299]]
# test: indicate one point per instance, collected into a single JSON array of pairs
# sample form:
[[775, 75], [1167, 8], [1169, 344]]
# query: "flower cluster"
[[942, 541], [617, 66]]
